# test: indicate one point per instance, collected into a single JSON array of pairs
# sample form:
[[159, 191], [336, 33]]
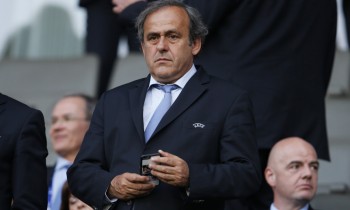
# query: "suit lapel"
[[195, 87], [137, 97]]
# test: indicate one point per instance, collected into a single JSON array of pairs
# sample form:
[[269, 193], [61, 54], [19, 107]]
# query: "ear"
[[270, 177], [142, 47], [196, 46]]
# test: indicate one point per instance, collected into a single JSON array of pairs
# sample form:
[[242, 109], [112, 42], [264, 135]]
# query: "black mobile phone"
[[145, 170]]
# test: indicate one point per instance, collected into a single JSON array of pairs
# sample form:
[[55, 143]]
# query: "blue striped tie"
[[161, 109]]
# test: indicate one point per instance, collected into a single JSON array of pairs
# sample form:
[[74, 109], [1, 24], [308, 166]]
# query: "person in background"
[[292, 172], [70, 120], [104, 29], [23, 155], [282, 53], [205, 141], [70, 202]]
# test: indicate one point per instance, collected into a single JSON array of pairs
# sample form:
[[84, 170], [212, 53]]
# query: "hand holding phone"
[[144, 167]]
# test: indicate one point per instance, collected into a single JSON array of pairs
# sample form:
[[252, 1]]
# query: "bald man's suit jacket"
[[22, 157], [211, 128]]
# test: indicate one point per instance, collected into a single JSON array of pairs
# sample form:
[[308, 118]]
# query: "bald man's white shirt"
[[273, 207]]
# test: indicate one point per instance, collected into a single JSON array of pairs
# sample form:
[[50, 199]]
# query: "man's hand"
[[170, 169], [120, 5], [129, 186]]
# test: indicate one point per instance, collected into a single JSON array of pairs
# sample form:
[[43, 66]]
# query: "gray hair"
[[90, 103], [197, 28]]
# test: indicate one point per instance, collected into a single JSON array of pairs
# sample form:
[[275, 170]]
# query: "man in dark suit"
[[23, 155], [206, 140], [282, 52], [292, 172]]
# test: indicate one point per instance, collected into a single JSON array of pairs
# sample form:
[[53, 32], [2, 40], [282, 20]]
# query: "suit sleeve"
[[238, 172], [29, 167], [88, 177]]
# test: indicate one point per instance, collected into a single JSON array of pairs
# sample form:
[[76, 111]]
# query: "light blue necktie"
[[161, 109], [55, 203]]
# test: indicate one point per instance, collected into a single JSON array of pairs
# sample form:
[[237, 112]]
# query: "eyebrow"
[[300, 162], [314, 163], [295, 162], [171, 31]]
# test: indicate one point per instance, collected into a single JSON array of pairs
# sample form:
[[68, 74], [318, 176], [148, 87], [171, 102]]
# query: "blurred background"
[[42, 58]]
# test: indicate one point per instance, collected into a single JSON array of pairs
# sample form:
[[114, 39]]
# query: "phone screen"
[[144, 168]]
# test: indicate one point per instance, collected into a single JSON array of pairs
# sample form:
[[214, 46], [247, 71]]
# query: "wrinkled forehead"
[[169, 14], [69, 105], [297, 154]]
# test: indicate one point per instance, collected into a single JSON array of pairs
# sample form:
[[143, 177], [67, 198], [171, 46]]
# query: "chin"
[[306, 196], [59, 149], [164, 78]]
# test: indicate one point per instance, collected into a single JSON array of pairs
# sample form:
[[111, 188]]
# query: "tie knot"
[[166, 88], [65, 166]]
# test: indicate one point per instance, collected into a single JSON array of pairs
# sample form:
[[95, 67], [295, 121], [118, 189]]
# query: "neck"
[[69, 157], [281, 204]]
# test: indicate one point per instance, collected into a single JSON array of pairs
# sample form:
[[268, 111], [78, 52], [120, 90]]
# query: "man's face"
[[68, 126], [166, 45], [295, 174]]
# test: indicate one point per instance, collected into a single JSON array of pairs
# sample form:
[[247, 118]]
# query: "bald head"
[[289, 146], [292, 172]]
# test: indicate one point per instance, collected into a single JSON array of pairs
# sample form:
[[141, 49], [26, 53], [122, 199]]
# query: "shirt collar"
[[62, 163], [180, 82], [306, 207], [273, 207]]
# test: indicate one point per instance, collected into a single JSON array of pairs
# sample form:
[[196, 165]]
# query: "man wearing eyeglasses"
[[69, 121]]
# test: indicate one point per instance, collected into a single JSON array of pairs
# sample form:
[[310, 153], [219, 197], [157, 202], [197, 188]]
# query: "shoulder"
[[13, 109], [16, 107], [220, 85], [125, 88]]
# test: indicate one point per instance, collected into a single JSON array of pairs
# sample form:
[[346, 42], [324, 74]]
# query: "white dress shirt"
[[152, 100], [154, 96], [273, 207], [59, 178]]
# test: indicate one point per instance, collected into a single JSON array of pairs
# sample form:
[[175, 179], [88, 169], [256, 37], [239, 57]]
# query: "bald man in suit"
[[292, 172]]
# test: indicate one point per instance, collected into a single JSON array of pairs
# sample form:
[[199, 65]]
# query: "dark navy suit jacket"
[[22, 157], [221, 154], [281, 52]]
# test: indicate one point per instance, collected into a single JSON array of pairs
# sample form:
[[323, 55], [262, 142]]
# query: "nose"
[[81, 204], [57, 124], [162, 44], [307, 172]]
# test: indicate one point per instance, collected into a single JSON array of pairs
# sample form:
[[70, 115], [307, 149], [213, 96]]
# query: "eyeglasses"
[[66, 119]]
